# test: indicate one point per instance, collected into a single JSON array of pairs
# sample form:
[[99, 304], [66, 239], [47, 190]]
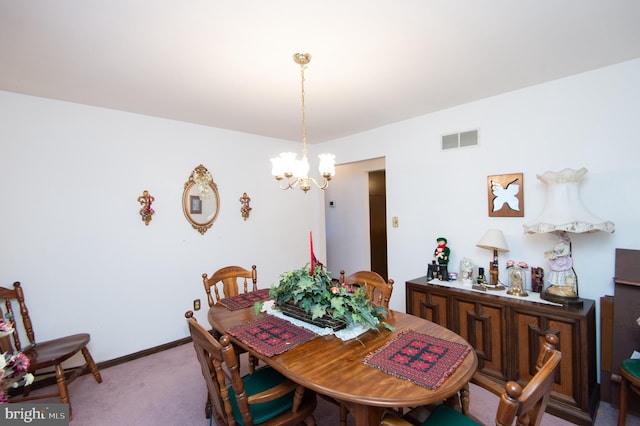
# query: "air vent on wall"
[[460, 140]]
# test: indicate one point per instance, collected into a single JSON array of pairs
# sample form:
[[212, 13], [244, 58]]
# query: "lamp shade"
[[564, 211], [493, 239]]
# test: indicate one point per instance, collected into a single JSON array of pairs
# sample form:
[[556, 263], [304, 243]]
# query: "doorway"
[[355, 218]]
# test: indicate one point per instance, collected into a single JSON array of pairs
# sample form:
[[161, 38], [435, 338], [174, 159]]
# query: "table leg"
[[365, 415], [464, 399]]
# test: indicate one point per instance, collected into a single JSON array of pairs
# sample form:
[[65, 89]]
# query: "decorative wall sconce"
[[146, 212], [245, 209]]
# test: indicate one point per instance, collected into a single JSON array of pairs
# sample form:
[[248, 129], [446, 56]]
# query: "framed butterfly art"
[[505, 195]]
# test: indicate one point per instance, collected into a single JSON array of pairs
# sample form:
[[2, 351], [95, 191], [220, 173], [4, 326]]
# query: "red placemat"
[[244, 300], [271, 335], [425, 360]]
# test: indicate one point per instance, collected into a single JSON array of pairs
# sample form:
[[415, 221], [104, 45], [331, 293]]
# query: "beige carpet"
[[167, 389]]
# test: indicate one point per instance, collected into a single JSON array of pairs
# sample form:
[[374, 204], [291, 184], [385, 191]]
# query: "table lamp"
[[494, 240], [564, 213]]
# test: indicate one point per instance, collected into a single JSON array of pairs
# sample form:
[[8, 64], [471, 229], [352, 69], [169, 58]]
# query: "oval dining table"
[[335, 368]]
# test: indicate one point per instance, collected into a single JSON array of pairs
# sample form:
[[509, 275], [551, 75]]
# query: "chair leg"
[[62, 388], [92, 365], [622, 412], [207, 408], [253, 363]]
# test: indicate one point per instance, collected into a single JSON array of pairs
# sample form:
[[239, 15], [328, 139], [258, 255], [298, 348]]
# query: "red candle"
[[313, 258]]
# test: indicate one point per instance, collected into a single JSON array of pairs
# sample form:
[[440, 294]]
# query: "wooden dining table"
[[335, 368]]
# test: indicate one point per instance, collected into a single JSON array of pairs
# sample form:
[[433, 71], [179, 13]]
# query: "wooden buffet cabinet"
[[507, 333]]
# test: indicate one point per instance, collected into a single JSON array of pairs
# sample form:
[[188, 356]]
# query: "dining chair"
[[526, 405], [263, 398], [378, 290], [630, 379], [42, 355], [232, 278]]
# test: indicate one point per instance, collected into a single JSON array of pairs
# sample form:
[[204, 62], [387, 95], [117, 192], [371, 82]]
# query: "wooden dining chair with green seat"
[[233, 279], [378, 292], [630, 379], [262, 398], [42, 355], [526, 405]]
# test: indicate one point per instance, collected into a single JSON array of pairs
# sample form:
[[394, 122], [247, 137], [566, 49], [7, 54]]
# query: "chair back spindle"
[[378, 290], [233, 279]]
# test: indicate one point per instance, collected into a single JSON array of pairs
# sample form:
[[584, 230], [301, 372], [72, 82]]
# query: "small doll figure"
[[441, 253], [561, 275]]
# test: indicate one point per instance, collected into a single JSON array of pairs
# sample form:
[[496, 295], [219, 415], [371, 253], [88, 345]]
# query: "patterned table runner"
[[425, 360], [271, 335], [245, 300]]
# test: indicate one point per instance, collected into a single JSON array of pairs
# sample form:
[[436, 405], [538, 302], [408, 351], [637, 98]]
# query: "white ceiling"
[[228, 64]]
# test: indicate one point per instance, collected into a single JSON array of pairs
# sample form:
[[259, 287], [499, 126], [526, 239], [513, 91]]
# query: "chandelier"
[[296, 171]]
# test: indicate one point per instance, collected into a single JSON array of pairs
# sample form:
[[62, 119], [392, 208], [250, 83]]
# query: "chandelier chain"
[[304, 116]]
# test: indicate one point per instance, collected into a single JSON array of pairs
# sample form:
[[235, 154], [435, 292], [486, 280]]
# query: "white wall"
[[70, 230], [588, 120], [70, 176]]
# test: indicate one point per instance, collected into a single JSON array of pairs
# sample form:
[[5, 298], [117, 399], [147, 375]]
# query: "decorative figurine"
[[537, 279], [481, 278], [561, 278], [481, 281], [466, 271], [517, 278], [441, 253]]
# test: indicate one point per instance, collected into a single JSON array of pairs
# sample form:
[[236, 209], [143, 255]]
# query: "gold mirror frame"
[[200, 199]]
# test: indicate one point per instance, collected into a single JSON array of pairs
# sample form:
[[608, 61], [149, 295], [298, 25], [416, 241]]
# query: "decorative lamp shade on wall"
[[564, 210], [564, 213]]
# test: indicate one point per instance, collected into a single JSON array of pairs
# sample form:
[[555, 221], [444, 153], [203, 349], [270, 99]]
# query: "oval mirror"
[[200, 200]]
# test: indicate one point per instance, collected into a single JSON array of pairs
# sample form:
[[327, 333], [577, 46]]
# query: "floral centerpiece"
[[13, 367], [319, 296]]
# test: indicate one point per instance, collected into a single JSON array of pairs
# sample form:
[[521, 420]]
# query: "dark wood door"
[[378, 222]]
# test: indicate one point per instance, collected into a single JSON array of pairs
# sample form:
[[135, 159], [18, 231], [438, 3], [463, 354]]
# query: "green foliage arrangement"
[[318, 296]]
